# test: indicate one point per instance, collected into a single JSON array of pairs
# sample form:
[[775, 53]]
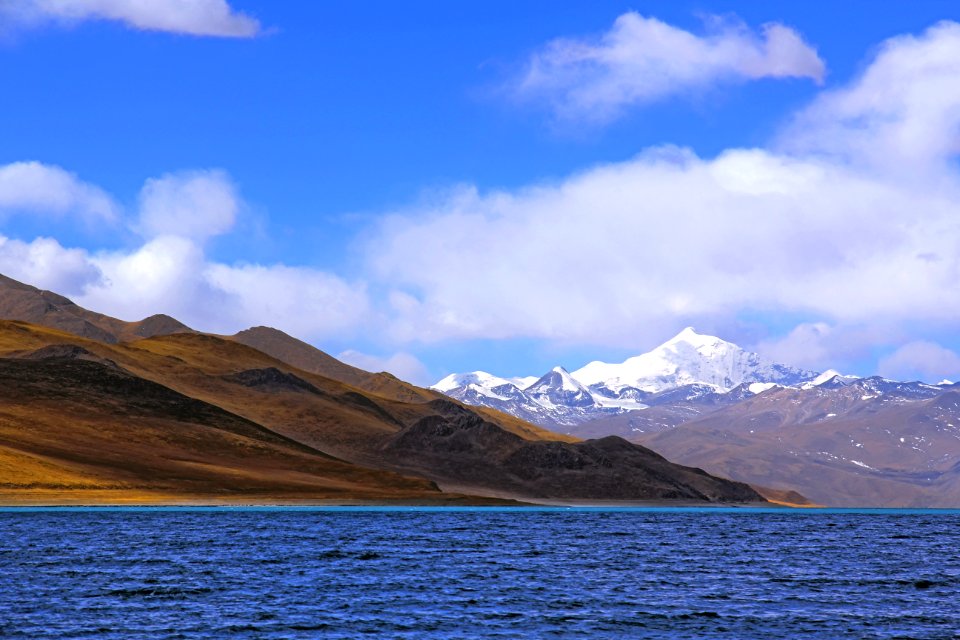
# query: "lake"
[[483, 572]]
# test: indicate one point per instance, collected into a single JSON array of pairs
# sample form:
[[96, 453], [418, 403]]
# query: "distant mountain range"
[[94, 409], [691, 361], [702, 401], [845, 442]]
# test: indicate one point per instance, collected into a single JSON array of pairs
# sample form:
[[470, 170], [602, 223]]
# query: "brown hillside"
[[76, 429], [308, 358]]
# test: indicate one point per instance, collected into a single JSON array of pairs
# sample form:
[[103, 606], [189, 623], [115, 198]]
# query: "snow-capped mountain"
[[558, 398], [481, 381], [704, 402], [688, 358], [830, 377], [557, 387], [482, 389], [554, 400]]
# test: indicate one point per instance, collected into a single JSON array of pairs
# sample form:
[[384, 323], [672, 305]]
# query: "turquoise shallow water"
[[304, 572], [521, 510]]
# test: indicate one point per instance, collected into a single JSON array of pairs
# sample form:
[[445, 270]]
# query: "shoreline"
[[451, 508], [412, 504], [451, 500], [449, 496]]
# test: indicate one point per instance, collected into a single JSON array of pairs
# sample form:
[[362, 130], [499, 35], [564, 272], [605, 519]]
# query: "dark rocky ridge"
[[457, 446], [272, 379]]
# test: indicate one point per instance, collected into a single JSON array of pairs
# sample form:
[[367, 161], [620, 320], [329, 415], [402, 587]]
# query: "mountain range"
[[689, 360], [699, 400], [94, 409]]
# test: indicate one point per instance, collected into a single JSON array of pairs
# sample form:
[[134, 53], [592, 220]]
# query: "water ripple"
[[117, 574]]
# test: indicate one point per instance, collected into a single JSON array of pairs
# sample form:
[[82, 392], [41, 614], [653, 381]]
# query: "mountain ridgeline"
[[99, 410]]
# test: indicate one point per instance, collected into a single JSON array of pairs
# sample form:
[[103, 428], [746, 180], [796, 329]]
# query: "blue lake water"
[[496, 573]]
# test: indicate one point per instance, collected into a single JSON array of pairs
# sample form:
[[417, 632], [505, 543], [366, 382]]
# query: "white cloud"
[[192, 17], [901, 116], [195, 204], [403, 365], [172, 275], [170, 271], [160, 276], [46, 189], [820, 346], [808, 345], [307, 303], [44, 263], [623, 253], [921, 360], [641, 60]]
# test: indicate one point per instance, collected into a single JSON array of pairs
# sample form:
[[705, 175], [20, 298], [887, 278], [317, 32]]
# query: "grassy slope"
[[85, 428], [308, 358]]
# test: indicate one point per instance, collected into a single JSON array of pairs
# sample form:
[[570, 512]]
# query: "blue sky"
[[436, 186]]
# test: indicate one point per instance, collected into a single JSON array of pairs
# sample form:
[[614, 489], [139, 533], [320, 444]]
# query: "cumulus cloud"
[[192, 17], [46, 264], [169, 271], [172, 275], [403, 365], [305, 302], [921, 360], [195, 204], [820, 346], [626, 252], [808, 345], [902, 115], [37, 188], [641, 60], [163, 275]]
